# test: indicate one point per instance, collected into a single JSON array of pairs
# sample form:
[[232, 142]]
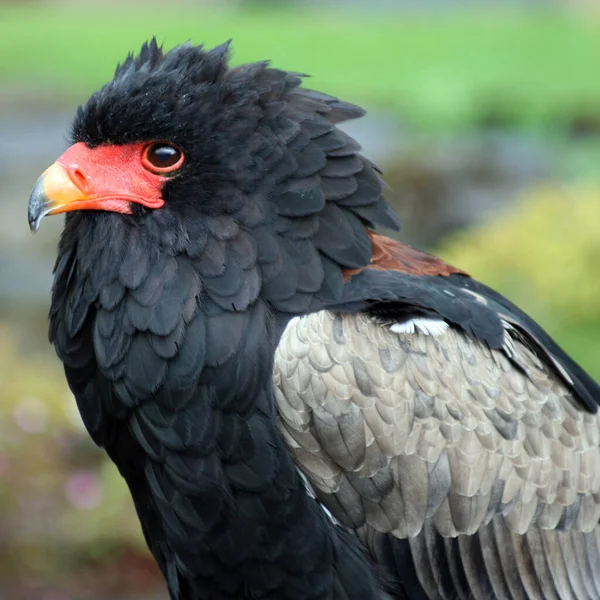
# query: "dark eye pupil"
[[163, 156]]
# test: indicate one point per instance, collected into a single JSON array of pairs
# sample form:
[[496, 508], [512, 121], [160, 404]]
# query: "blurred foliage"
[[63, 505], [544, 256], [438, 69]]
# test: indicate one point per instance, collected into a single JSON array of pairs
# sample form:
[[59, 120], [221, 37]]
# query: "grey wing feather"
[[495, 562], [401, 431]]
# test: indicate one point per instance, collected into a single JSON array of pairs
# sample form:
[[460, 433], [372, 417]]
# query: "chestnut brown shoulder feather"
[[391, 255]]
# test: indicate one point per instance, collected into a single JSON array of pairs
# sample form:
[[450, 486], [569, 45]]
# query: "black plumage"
[[167, 321]]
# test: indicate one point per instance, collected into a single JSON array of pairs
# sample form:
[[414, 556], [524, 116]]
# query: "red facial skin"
[[106, 178]]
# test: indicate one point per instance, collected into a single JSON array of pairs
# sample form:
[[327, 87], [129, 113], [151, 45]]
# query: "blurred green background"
[[485, 117]]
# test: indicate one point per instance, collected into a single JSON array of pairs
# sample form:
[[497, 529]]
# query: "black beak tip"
[[34, 225], [33, 219], [39, 206]]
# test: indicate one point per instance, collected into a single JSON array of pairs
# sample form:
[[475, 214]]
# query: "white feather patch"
[[509, 345], [426, 326]]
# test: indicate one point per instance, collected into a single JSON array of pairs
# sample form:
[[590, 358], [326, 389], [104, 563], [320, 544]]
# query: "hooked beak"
[[54, 192]]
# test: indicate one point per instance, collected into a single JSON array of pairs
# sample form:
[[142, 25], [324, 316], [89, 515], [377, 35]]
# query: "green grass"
[[581, 343], [438, 69]]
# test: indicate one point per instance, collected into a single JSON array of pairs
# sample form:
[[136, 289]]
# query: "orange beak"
[[55, 192]]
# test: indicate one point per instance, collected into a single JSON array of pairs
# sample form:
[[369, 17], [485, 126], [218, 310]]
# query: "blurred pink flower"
[[84, 489]]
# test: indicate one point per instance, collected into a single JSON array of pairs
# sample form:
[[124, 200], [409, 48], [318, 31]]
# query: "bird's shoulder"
[[429, 399], [403, 282]]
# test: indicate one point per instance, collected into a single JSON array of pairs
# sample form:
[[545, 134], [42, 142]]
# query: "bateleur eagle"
[[302, 408]]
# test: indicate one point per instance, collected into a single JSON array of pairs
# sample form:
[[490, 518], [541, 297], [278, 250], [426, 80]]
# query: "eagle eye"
[[162, 158]]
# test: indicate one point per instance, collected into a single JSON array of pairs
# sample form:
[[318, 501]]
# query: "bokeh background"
[[485, 117]]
